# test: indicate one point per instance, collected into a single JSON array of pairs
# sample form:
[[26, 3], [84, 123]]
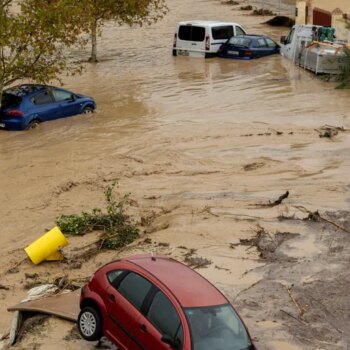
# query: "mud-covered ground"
[[204, 147]]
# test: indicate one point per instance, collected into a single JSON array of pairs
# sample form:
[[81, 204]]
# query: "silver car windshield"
[[217, 328]]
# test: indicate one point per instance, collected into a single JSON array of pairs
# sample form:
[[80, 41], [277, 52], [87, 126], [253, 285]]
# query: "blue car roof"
[[252, 36], [25, 89]]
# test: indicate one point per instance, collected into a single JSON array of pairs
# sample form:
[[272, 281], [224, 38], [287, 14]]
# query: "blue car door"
[[67, 103], [261, 48], [44, 107], [273, 47]]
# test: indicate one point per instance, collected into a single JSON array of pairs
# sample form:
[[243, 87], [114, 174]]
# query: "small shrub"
[[344, 76], [117, 228]]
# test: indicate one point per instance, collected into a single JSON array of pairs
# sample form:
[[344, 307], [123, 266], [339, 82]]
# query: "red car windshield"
[[217, 328]]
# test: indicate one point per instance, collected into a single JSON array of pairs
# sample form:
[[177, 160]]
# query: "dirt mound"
[[280, 21]]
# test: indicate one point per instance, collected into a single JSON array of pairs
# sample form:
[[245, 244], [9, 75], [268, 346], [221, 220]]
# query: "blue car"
[[25, 106], [247, 47]]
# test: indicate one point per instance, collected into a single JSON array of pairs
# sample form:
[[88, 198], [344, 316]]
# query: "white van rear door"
[[191, 37]]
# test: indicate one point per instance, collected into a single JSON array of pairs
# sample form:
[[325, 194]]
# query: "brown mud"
[[198, 143]]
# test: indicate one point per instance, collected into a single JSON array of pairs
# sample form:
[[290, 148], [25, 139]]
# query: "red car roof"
[[189, 287]]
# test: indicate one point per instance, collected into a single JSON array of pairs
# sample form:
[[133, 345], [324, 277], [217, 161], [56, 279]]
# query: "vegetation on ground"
[[117, 227]]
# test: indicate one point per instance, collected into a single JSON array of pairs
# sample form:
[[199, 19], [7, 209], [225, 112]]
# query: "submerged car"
[[246, 47], [157, 303], [25, 106]]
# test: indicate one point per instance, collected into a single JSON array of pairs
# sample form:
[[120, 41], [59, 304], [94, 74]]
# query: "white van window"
[[239, 31], [222, 32], [290, 36], [191, 33]]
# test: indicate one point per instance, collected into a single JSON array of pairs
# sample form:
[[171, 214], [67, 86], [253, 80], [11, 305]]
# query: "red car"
[[149, 302]]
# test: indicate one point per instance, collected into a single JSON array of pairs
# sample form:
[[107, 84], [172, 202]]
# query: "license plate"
[[2, 125], [183, 53], [236, 53]]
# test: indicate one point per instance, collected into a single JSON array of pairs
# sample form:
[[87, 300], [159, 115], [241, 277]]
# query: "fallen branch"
[[207, 209], [4, 287], [301, 309], [4, 336], [274, 203], [315, 216], [290, 315]]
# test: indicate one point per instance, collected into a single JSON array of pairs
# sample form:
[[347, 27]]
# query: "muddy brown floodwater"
[[198, 143]]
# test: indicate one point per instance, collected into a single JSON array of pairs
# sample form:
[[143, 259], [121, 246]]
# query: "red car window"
[[163, 315], [114, 276], [135, 289]]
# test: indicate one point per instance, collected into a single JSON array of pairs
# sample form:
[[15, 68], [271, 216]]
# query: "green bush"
[[117, 228], [344, 76]]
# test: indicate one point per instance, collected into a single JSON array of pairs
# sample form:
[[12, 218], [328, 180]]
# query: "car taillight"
[[207, 43], [14, 113], [248, 53], [175, 38]]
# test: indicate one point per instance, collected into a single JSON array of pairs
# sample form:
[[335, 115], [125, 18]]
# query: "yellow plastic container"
[[55, 256], [47, 246]]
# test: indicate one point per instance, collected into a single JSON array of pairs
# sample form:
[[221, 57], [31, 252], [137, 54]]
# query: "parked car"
[[203, 38], [246, 47], [157, 303], [24, 106]]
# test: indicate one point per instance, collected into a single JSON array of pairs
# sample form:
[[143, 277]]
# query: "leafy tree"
[[123, 11], [34, 35]]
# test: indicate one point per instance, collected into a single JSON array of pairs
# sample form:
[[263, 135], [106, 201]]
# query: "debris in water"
[[263, 12], [230, 2], [197, 261], [330, 131], [274, 203]]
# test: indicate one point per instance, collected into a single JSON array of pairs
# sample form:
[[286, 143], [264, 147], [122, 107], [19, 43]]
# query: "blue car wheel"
[[33, 124], [88, 110]]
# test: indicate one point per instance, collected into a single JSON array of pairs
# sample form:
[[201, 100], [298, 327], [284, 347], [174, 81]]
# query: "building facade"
[[332, 13]]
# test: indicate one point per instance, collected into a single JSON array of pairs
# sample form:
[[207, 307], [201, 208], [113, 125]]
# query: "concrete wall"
[[300, 10], [333, 6]]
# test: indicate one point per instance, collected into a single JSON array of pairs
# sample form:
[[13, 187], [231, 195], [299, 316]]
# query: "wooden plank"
[[65, 306]]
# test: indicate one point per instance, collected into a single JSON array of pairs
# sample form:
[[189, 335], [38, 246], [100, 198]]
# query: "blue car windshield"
[[239, 41], [217, 328]]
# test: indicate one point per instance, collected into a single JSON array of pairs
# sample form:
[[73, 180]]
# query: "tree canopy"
[[34, 35]]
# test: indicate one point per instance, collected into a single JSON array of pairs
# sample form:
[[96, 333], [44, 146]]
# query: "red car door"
[[124, 303], [120, 320], [160, 320]]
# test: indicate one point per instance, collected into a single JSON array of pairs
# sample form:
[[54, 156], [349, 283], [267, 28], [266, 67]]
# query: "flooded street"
[[198, 143]]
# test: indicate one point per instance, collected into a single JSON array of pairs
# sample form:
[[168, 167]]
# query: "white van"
[[314, 48], [203, 38]]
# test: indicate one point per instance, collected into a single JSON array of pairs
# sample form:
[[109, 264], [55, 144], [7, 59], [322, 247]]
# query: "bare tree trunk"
[[93, 57], [1, 91]]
